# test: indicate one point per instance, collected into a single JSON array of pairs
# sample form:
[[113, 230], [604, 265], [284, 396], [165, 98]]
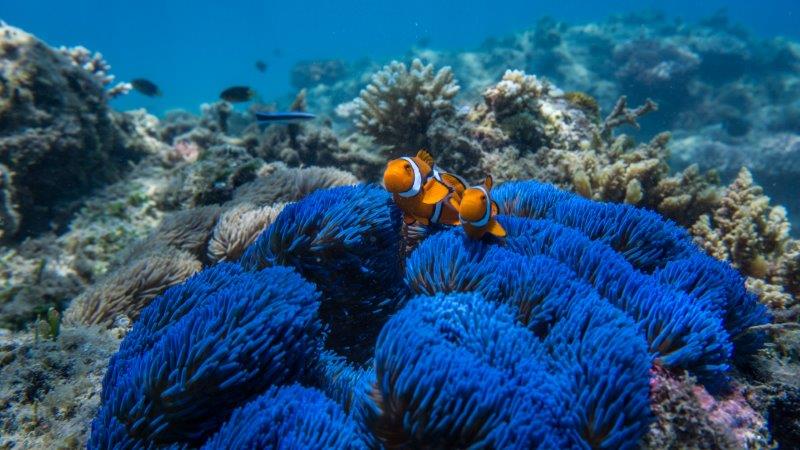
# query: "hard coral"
[[753, 235], [400, 103]]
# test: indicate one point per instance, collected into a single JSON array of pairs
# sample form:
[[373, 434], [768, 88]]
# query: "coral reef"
[[507, 345], [416, 336]]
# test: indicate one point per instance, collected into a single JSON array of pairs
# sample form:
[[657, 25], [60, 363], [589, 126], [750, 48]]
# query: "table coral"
[[544, 339]]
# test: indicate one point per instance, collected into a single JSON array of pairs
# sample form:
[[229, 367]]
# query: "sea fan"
[[260, 330]]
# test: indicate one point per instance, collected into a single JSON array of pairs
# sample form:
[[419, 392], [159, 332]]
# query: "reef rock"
[[58, 138]]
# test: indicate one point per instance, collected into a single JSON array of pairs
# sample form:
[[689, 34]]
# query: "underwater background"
[[181, 266]]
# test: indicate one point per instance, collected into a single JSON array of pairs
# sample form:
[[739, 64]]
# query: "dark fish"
[[283, 117], [261, 66], [146, 87], [237, 94]]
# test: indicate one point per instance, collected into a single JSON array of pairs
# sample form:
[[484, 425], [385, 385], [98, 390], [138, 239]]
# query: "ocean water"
[[194, 49]]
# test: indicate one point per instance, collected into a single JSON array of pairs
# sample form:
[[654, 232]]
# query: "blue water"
[[194, 49]]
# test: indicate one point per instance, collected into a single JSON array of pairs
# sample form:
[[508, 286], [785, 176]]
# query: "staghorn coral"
[[544, 340], [400, 103]]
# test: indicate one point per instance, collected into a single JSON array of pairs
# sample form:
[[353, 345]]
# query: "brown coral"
[[754, 236], [744, 229]]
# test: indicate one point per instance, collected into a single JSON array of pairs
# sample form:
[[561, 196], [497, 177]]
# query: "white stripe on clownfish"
[[417, 185]]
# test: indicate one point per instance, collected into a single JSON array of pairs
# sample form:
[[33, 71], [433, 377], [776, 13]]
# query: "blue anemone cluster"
[[325, 335]]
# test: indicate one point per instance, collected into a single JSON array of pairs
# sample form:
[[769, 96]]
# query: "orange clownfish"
[[419, 189], [477, 211]]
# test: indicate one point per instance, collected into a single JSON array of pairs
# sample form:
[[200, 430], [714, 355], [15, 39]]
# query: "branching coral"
[[400, 103], [98, 67], [753, 235], [542, 340]]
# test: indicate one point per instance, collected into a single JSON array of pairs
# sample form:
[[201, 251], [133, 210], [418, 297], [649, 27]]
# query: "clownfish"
[[477, 211], [420, 190]]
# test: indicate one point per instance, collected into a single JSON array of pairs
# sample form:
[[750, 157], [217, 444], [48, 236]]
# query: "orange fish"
[[477, 212], [420, 191]]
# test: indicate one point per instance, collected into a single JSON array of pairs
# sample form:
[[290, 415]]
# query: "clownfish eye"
[[483, 197], [407, 166]]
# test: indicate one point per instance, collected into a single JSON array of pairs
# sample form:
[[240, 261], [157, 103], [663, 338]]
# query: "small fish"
[[283, 117], [261, 66], [146, 87], [418, 193], [237, 94], [477, 212]]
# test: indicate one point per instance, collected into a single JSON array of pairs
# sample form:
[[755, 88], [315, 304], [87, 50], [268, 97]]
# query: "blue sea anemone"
[[292, 417], [448, 370], [543, 339], [680, 331], [259, 331], [346, 240]]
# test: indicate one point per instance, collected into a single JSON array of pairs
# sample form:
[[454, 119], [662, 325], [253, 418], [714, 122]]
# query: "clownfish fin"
[[455, 202], [408, 219], [455, 181], [488, 182], [495, 229], [495, 208], [423, 221], [435, 191], [425, 157]]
